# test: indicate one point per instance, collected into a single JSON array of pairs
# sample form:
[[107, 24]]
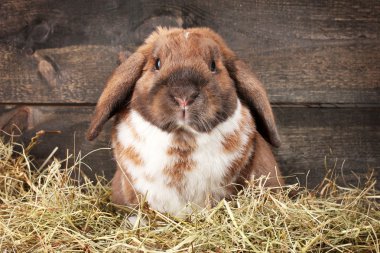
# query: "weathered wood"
[[330, 74], [77, 75], [304, 52], [348, 136], [17, 15], [73, 74], [347, 139], [265, 25], [20, 119]]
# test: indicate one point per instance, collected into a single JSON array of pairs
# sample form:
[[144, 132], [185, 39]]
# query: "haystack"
[[55, 208]]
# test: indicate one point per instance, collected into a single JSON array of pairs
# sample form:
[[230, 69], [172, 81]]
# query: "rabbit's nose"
[[186, 101], [182, 102]]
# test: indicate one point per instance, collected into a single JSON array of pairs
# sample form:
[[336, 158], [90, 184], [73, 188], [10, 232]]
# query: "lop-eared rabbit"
[[192, 122]]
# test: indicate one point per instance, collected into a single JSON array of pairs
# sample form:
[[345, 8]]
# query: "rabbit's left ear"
[[251, 91]]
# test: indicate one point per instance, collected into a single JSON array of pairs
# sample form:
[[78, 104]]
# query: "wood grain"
[[73, 74], [313, 140], [306, 52], [263, 24]]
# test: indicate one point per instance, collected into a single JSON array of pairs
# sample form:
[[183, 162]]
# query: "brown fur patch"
[[177, 151], [177, 170], [264, 164], [182, 165], [247, 118], [238, 165], [123, 192], [183, 144], [247, 126], [134, 133], [117, 147], [131, 154], [231, 142], [183, 140]]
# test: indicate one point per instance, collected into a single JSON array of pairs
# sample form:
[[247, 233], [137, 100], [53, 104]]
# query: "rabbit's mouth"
[[184, 121], [183, 117]]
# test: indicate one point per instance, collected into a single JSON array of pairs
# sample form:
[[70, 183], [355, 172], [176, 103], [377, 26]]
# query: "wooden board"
[[266, 25], [73, 74], [77, 74], [305, 52], [312, 137]]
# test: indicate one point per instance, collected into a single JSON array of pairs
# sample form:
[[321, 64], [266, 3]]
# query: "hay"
[[46, 210]]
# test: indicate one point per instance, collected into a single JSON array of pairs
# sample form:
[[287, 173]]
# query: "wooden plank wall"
[[319, 60]]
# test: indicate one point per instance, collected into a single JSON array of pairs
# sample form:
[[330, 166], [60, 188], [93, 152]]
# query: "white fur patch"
[[205, 179], [186, 34]]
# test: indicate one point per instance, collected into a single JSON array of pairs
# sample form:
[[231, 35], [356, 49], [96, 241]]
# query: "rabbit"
[[192, 122]]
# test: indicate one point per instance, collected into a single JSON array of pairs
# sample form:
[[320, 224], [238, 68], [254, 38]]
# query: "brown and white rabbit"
[[191, 123]]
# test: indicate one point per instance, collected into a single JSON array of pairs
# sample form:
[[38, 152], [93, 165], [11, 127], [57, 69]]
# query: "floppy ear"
[[250, 90], [117, 92]]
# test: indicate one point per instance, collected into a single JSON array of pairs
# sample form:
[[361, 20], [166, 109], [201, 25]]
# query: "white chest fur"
[[199, 179]]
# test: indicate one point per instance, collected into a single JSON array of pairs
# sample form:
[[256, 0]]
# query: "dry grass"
[[47, 211]]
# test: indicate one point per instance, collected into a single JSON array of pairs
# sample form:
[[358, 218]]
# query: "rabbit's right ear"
[[117, 92]]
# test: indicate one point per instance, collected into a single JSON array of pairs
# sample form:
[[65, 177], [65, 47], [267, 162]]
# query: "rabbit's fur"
[[192, 122]]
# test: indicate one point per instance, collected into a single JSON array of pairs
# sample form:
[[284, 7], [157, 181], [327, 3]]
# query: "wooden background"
[[319, 60]]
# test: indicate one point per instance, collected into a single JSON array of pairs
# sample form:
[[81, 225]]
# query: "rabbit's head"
[[184, 78]]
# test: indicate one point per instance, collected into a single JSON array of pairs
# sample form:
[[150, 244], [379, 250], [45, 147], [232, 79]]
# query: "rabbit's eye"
[[157, 65], [213, 66]]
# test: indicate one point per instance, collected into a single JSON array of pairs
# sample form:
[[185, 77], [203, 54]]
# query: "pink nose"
[[182, 102]]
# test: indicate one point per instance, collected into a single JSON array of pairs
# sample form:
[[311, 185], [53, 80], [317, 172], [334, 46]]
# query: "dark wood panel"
[[77, 74], [349, 137], [265, 25], [303, 51], [324, 74], [318, 139], [74, 74]]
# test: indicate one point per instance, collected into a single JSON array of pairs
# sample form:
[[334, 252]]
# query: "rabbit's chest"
[[172, 170]]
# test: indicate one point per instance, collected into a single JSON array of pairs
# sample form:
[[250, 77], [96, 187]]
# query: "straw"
[[48, 211]]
